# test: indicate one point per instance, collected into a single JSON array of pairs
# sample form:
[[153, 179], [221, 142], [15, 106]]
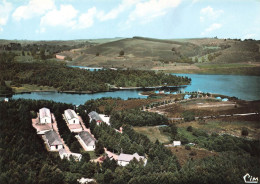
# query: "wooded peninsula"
[[63, 78]]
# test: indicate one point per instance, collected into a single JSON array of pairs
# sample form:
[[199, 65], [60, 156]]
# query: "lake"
[[243, 87], [78, 99]]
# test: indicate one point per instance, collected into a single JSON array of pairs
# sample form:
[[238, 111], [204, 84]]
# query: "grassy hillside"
[[178, 55], [197, 55]]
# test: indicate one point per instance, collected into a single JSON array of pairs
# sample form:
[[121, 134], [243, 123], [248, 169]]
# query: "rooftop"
[[94, 115], [128, 157], [87, 138], [53, 138], [45, 112], [63, 151], [72, 114]]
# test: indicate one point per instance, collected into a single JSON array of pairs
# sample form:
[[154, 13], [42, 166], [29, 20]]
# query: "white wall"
[[73, 121], [45, 120], [89, 148], [76, 156], [176, 143], [122, 163], [90, 119]]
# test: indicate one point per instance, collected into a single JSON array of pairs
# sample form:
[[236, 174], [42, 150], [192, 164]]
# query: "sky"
[[165, 19]]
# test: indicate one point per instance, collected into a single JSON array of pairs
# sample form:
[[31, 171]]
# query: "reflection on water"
[[79, 98]]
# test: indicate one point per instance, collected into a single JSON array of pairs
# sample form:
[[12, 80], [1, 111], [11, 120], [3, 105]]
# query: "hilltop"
[[205, 55], [197, 55]]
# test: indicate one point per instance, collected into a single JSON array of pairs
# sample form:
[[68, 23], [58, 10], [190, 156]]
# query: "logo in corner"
[[250, 179]]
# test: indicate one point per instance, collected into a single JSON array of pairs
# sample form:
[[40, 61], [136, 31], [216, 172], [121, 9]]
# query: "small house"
[[87, 140], [65, 154], [124, 159], [95, 116], [176, 143], [53, 141], [71, 116], [45, 115]]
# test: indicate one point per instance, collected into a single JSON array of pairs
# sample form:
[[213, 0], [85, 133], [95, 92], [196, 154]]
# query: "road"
[[224, 115]]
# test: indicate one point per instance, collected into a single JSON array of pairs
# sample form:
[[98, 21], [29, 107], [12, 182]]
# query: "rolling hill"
[[204, 55], [197, 55]]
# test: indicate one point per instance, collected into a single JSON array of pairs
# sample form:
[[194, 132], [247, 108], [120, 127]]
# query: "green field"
[[153, 133]]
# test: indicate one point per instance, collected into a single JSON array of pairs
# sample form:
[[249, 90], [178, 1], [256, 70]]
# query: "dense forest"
[[23, 158], [48, 48], [57, 75]]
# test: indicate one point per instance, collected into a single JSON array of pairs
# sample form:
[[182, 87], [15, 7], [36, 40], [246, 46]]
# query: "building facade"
[[45, 115], [87, 140], [53, 141], [124, 159], [71, 116]]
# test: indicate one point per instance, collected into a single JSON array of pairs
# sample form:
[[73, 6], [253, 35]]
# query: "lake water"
[[78, 99], [243, 87]]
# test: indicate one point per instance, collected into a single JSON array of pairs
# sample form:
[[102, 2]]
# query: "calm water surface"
[[243, 87], [78, 99]]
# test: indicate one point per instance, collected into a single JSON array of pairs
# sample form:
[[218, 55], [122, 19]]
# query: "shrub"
[[188, 116], [121, 53], [187, 147], [199, 133], [193, 153], [244, 132], [189, 128]]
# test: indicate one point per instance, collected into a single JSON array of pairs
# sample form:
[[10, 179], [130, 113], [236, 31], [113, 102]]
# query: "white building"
[[105, 118], [64, 154], [45, 115], [87, 140], [86, 180], [71, 116], [176, 143], [53, 141], [124, 159]]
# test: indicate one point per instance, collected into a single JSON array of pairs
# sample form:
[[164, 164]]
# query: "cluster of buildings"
[[46, 126]]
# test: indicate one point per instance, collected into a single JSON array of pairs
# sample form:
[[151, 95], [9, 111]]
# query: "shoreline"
[[93, 92]]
